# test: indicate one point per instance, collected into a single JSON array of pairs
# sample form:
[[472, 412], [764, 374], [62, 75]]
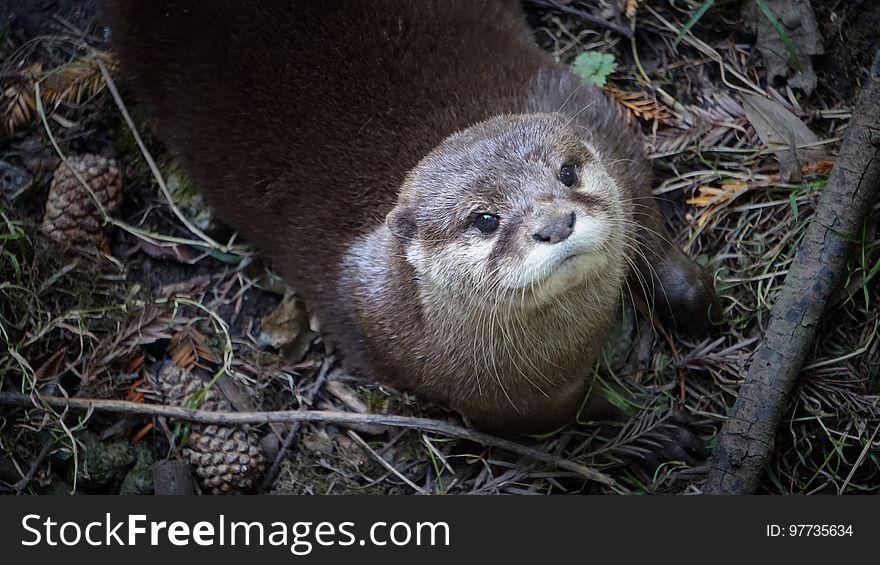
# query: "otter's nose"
[[556, 230]]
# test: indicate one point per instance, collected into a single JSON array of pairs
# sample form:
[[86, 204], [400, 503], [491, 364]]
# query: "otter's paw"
[[684, 294]]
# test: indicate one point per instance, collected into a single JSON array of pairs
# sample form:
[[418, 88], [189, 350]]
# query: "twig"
[[708, 51], [157, 174], [366, 447], [272, 473], [584, 15], [869, 445], [32, 472], [154, 238], [748, 435], [313, 416]]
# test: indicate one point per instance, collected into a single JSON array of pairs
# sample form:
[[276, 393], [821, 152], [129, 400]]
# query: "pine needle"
[[640, 104], [70, 84]]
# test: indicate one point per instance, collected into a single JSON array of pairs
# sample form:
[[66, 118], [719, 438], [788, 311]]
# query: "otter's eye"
[[486, 223], [568, 175]]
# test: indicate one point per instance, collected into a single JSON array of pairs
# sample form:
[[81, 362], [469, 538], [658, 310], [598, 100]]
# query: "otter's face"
[[516, 204]]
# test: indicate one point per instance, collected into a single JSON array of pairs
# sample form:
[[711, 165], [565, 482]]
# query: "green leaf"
[[692, 21], [16, 266], [792, 201], [594, 67], [228, 258]]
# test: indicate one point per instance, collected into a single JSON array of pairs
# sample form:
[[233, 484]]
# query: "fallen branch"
[[312, 416], [748, 435]]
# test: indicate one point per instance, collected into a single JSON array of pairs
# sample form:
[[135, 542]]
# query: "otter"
[[461, 213]]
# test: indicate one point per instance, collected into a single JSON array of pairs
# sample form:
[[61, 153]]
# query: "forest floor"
[[99, 323]]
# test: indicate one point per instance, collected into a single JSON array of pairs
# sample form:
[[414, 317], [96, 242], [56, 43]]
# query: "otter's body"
[[307, 123]]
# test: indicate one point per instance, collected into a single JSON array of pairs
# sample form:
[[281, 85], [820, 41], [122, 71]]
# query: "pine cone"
[[71, 215], [225, 459]]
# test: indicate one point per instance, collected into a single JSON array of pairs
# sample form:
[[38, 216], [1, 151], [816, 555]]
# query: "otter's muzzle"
[[557, 229]]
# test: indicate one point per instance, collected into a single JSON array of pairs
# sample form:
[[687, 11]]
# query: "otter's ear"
[[402, 224]]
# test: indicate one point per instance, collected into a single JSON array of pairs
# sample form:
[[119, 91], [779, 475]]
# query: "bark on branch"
[[747, 437], [344, 419]]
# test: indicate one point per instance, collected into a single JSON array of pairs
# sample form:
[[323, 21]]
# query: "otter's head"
[[517, 205]]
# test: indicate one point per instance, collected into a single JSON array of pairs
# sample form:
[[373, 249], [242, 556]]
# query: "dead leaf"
[[782, 131], [798, 20], [51, 367], [283, 325], [179, 253], [240, 397]]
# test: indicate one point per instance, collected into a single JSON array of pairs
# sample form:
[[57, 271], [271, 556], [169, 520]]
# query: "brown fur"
[[307, 123]]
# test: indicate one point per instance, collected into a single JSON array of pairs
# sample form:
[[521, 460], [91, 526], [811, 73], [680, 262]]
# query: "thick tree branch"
[[748, 435]]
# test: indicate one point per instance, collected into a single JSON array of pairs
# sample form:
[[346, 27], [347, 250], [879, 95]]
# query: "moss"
[[101, 463], [139, 480]]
